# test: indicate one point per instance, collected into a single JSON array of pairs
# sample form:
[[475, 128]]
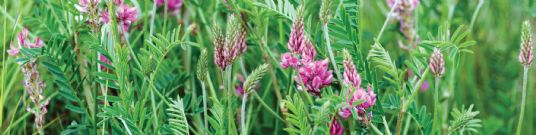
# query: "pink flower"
[[308, 51], [239, 90], [314, 76], [526, 55], [437, 64], [425, 86], [14, 50], [288, 60], [359, 94], [22, 37], [118, 2], [350, 73], [297, 37], [103, 58], [172, 5], [38, 43], [84, 5], [410, 4], [335, 128], [105, 16], [126, 15], [241, 41]]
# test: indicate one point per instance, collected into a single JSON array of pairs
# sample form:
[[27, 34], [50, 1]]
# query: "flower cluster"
[[353, 82], [314, 75], [125, 14], [35, 86], [24, 41], [172, 5], [228, 47], [335, 128], [526, 56], [437, 64], [404, 13]]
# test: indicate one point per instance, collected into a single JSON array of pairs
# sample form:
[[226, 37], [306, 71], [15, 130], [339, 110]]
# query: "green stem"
[[243, 114], [330, 52], [436, 104], [266, 106], [387, 20], [523, 98], [205, 108], [229, 99]]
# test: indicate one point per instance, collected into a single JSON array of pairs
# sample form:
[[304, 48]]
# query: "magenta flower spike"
[[126, 16], [336, 128], [351, 77], [314, 76], [526, 55], [35, 86], [369, 98], [22, 37], [297, 37], [288, 60], [172, 5], [308, 52], [14, 50], [85, 5], [437, 64]]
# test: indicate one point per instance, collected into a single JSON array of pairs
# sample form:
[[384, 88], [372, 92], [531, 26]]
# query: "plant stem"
[[523, 98], [229, 99], [330, 52], [387, 20], [205, 108], [243, 114], [436, 104]]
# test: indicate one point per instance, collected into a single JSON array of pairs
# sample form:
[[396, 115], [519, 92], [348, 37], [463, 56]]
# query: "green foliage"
[[177, 122], [464, 121], [297, 116], [254, 78], [381, 60]]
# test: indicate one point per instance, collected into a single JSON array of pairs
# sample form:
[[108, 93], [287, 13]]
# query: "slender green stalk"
[[387, 20], [523, 100], [3, 87], [436, 105], [330, 52], [266, 106], [229, 90], [205, 108], [243, 115]]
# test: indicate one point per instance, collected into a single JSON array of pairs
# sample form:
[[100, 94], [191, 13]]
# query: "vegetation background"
[[487, 74]]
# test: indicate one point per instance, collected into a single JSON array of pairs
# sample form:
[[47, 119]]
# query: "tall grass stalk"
[[523, 100]]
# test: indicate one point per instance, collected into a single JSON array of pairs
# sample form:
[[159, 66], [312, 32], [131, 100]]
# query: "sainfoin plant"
[[338, 67]]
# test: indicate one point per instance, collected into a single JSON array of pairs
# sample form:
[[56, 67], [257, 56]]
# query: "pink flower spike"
[[13, 51], [103, 58], [38, 43], [288, 60], [308, 51], [172, 5], [351, 77], [314, 76], [118, 2], [22, 37], [105, 16], [296, 39], [336, 128], [126, 15]]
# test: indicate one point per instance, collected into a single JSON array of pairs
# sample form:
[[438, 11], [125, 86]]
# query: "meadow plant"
[[229, 67]]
